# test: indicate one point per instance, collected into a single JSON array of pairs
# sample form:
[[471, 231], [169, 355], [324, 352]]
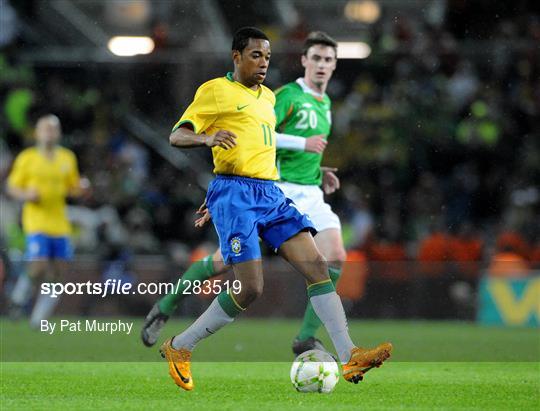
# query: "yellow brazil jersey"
[[225, 104], [53, 179]]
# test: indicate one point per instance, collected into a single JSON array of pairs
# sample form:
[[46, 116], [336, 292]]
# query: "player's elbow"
[[176, 138], [12, 192], [173, 140]]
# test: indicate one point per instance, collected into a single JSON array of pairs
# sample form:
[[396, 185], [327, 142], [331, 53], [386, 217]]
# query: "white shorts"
[[310, 201]]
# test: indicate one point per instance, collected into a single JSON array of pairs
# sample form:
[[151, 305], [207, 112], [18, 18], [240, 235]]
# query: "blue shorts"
[[244, 209], [44, 247]]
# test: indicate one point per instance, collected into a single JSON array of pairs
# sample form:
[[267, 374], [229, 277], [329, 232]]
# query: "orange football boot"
[[364, 359], [179, 364]]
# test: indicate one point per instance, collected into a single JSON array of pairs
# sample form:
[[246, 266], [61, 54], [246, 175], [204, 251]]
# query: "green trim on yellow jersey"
[[257, 93], [179, 124]]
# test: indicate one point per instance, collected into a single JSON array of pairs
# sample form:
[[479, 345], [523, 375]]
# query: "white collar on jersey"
[[308, 89]]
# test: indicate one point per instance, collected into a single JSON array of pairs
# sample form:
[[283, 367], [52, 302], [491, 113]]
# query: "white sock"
[[213, 319], [43, 309], [22, 290], [329, 309]]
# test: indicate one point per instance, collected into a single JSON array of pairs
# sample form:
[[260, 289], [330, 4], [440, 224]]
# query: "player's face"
[[253, 62], [48, 131], [319, 63]]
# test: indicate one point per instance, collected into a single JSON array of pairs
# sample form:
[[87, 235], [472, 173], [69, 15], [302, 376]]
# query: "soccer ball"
[[314, 371]]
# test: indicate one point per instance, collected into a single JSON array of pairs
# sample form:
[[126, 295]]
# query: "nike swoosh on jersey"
[[239, 107]]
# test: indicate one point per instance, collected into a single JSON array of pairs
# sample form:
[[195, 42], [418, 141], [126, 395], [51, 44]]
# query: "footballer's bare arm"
[[22, 194], [185, 138]]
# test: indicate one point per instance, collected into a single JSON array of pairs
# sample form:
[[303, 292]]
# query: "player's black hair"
[[318, 37], [242, 36]]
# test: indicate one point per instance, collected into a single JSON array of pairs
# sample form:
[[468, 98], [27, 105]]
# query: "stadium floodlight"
[[353, 50], [363, 11], [127, 46]]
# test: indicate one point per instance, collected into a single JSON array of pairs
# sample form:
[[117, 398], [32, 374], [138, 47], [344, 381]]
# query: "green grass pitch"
[[246, 367]]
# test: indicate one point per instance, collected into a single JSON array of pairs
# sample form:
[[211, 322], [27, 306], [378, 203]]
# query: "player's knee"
[[334, 252], [338, 257], [319, 263]]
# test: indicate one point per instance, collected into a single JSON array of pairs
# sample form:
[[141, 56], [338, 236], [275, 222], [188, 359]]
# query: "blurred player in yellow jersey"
[[234, 115], [42, 177]]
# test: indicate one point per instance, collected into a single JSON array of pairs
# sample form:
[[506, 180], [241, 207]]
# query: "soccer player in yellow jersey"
[[42, 177], [234, 116], [302, 112]]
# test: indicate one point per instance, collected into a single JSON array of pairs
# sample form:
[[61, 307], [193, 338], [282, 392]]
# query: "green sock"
[[229, 305], [311, 322], [200, 270]]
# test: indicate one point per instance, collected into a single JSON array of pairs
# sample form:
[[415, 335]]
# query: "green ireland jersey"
[[301, 112]]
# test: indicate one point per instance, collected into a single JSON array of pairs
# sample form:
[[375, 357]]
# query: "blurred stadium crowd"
[[436, 137]]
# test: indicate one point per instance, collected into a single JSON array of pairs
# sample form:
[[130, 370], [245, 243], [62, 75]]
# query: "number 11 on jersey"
[[267, 133]]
